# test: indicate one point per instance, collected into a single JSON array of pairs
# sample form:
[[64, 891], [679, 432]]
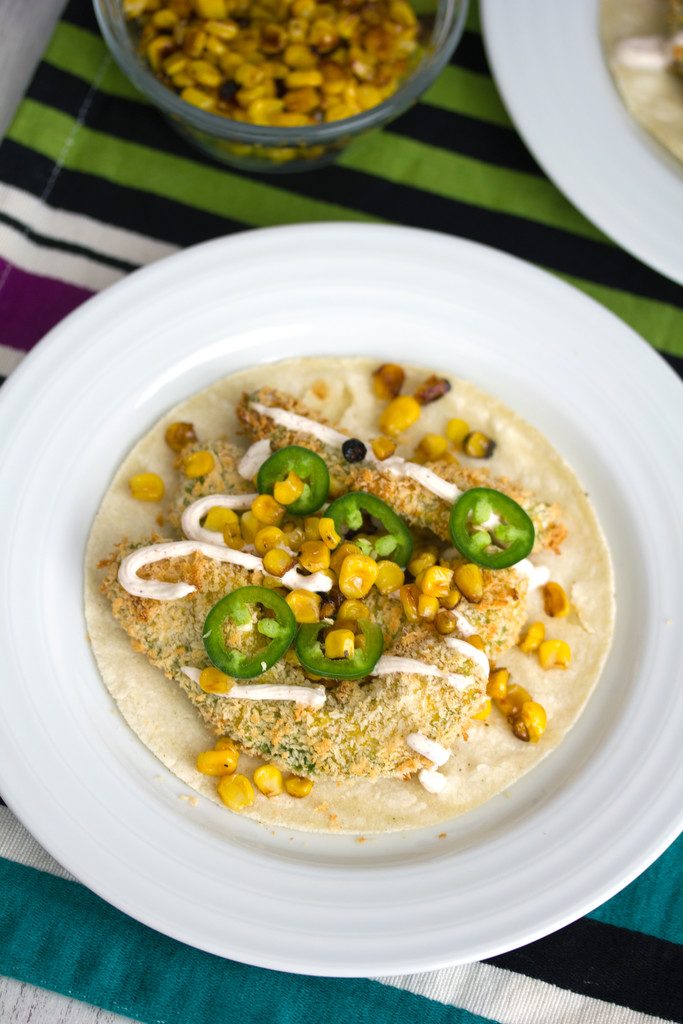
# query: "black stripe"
[[2, 381], [675, 362], [608, 963], [62, 246], [82, 14], [470, 54]]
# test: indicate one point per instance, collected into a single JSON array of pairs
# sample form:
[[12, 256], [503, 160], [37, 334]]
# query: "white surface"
[[549, 66], [325, 904], [25, 27]]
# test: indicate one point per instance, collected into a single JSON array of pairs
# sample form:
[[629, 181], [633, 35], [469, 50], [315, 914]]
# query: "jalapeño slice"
[[490, 528], [237, 610], [308, 466], [347, 513], [312, 656]]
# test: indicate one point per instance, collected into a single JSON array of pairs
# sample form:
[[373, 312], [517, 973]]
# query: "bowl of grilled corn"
[[280, 85]]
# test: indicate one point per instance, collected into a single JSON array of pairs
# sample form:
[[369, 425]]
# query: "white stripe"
[[511, 998], [9, 359], [64, 266]]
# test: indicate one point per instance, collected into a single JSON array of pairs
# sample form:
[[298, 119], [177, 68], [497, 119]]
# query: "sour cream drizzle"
[[388, 663], [538, 575], [300, 424], [469, 651], [310, 696], [430, 749], [432, 780], [647, 53], [253, 459], [194, 513]]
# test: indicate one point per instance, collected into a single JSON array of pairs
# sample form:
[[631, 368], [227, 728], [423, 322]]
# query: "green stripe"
[[473, 22], [60, 936], [465, 92]]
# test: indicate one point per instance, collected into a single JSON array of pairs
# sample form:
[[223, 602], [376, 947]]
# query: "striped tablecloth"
[[93, 183]]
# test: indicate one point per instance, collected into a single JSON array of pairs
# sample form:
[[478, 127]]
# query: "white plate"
[[550, 68], [573, 832]]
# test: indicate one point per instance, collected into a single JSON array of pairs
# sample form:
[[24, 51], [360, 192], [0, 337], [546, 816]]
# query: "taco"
[[369, 599]]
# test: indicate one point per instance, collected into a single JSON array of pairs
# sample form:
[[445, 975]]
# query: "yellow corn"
[[146, 487], [555, 601], [299, 56], [476, 641], [530, 722], [194, 41], [205, 73], [312, 528], [436, 581], [225, 743], [532, 638], [267, 538], [211, 8], [249, 75], [469, 581], [484, 711], [225, 30], [342, 552], [174, 64], [357, 575], [427, 607], [445, 622], [268, 780], [250, 526], [314, 555], [216, 762], [212, 680], [383, 447], [301, 101], [305, 605], [276, 562], [340, 643], [302, 79], [298, 787], [497, 686], [511, 703], [236, 792], [219, 519], [387, 381], [422, 560], [410, 595], [478, 445], [400, 414], [353, 611], [328, 533], [267, 510], [178, 435], [157, 49], [289, 490], [197, 98], [390, 577], [198, 464], [554, 654], [457, 430], [431, 447], [451, 599], [233, 538]]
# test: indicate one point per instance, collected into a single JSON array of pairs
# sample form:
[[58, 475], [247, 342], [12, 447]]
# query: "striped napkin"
[[93, 184]]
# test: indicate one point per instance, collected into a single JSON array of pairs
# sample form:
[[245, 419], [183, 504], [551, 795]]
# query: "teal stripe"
[[653, 903], [58, 935]]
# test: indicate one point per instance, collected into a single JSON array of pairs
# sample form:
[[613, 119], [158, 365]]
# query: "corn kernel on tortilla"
[[492, 758]]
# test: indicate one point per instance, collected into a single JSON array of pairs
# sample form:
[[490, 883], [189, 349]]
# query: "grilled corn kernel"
[[305, 605], [422, 560], [532, 638], [233, 538], [342, 552], [478, 445], [225, 743], [469, 581], [157, 49], [431, 447], [198, 464], [328, 533], [387, 381], [339, 112], [194, 41], [219, 519], [357, 575], [445, 622], [483, 712], [298, 787], [146, 487], [267, 538], [436, 581], [216, 762], [427, 607], [353, 611], [179, 434], [530, 722], [205, 73], [312, 528], [476, 641], [299, 56], [400, 414], [314, 555], [263, 110], [390, 577], [276, 562], [555, 601], [432, 389], [383, 447], [340, 643], [451, 599], [302, 79], [174, 64], [511, 703], [409, 595], [212, 680], [268, 780], [457, 430], [497, 686], [267, 510], [211, 8], [236, 792], [554, 654], [197, 98], [250, 526], [289, 490]]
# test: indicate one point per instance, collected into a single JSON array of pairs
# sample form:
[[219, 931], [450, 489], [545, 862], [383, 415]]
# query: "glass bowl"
[[267, 149]]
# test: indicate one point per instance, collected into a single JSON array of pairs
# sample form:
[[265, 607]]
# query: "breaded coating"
[[500, 615], [223, 478]]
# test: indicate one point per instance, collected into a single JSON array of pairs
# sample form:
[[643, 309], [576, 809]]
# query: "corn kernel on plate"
[[369, 903]]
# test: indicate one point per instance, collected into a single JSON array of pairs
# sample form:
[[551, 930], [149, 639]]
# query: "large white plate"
[[573, 832], [549, 66]]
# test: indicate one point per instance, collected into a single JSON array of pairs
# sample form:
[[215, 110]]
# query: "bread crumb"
[[191, 800], [360, 839], [442, 835]]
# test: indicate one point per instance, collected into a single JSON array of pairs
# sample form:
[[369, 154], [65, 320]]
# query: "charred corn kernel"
[[267, 510], [337, 113], [276, 562], [436, 581], [390, 577], [497, 686], [216, 762], [249, 75], [312, 528], [273, 38], [555, 601], [422, 560], [328, 533], [175, 63], [158, 49], [323, 35], [197, 98], [268, 537], [212, 680], [554, 654], [409, 595], [342, 552], [469, 581], [225, 30], [146, 487], [181, 79], [198, 464], [301, 101], [298, 787], [294, 535], [219, 519], [303, 8], [445, 622], [478, 445], [178, 435], [194, 42], [532, 638], [305, 605], [451, 599], [288, 490], [301, 79], [530, 722], [288, 119], [314, 555], [340, 643], [225, 743], [483, 712], [353, 611], [211, 8], [383, 447], [236, 792], [233, 538], [476, 641], [457, 430], [357, 575], [250, 526], [400, 414], [427, 607], [431, 447], [204, 73], [299, 56], [511, 703], [268, 779], [262, 111]]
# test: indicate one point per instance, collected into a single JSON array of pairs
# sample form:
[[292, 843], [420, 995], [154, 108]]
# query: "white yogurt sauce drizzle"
[[194, 513], [310, 696], [388, 663], [538, 575], [432, 780], [646, 53], [253, 459], [469, 651], [300, 424], [430, 749]]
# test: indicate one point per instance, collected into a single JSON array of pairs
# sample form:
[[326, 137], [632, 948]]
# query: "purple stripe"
[[30, 305]]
